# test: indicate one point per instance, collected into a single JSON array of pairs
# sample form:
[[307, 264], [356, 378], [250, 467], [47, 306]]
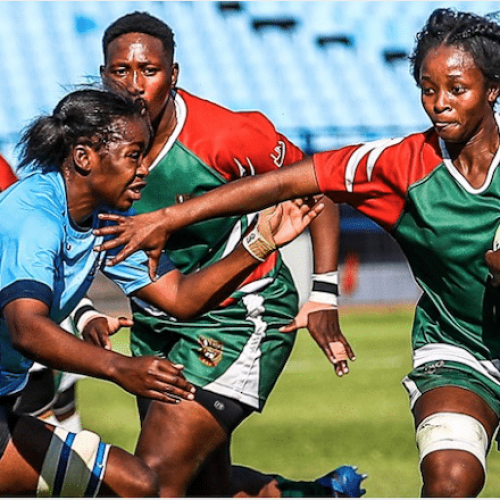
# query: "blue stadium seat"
[[328, 65]]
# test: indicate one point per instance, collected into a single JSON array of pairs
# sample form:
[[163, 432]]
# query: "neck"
[[80, 201], [473, 158], [164, 127]]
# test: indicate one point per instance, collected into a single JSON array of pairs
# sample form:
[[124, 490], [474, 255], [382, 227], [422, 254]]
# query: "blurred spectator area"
[[327, 73]]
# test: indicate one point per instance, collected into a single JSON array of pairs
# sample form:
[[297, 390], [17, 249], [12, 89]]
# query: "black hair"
[[83, 116], [139, 22], [477, 35]]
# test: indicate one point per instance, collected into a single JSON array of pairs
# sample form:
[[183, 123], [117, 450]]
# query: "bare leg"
[[22, 462], [176, 442], [453, 473], [190, 451]]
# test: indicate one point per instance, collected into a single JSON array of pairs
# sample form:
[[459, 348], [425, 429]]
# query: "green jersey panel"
[[445, 231]]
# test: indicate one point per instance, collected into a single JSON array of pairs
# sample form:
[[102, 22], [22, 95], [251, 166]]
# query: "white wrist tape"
[[84, 312], [325, 288], [259, 242]]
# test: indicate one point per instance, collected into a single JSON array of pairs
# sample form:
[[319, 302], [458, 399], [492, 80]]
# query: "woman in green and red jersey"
[[438, 193], [235, 353]]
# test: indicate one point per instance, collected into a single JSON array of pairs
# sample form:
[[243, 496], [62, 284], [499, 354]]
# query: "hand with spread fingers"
[[139, 232], [322, 321]]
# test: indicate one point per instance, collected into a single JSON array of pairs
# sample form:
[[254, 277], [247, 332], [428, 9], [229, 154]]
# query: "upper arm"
[[163, 293], [21, 318], [28, 258]]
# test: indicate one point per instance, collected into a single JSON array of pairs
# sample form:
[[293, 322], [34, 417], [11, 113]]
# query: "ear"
[[493, 92], [82, 159], [175, 74]]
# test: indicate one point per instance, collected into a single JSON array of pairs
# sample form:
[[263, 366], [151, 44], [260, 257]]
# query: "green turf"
[[315, 421]]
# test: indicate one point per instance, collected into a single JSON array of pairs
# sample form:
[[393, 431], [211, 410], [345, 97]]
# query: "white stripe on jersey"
[[375, 149], [438, 351]]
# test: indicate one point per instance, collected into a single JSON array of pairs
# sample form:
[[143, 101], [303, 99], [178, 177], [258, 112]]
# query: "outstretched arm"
[[150, 231], [185, 296]]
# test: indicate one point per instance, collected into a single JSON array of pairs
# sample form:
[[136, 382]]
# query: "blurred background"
[[326, 73]]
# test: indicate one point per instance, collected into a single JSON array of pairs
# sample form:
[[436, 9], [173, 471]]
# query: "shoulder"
[[35, 202], [205, 117], [422, 147]]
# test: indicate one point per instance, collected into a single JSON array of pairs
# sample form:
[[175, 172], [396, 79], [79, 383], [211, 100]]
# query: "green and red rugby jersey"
[[209, 147], [444, 226]]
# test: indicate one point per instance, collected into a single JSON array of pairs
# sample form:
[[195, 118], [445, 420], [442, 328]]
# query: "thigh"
[[22, 459], [456, 400], [176, 440]]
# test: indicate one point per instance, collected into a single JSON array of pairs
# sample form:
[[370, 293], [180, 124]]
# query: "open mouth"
[[135, 190], [443, 125]]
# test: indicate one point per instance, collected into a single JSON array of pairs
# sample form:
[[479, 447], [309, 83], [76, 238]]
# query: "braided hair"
[[84, 116], [477, 35]]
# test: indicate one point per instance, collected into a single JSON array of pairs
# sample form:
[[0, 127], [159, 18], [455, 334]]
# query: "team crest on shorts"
[[210, 351]]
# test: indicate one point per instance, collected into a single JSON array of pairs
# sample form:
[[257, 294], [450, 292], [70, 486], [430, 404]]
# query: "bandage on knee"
[[73, 466], [452, 431]]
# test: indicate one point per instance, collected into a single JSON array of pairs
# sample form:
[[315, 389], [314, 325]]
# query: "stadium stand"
[[326, 73]]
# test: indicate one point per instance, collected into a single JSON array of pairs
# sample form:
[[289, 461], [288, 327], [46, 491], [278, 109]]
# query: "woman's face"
[[140, 63], [455, 94], [117, 175]]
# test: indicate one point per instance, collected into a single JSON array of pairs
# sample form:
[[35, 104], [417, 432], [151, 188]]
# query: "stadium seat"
[[307, 65]]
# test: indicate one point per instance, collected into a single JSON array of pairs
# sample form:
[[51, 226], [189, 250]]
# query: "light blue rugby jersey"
[[44, 256]]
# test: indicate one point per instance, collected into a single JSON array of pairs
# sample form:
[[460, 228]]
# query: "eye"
[[426, 90], [150, 71], [119, 72], [135, 155], [458, 89]]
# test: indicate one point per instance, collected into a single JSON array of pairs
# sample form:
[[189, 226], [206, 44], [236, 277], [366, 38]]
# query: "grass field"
[[315, 421]]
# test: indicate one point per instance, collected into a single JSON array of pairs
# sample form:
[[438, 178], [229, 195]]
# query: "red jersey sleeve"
[[235, 144], [7, 176], [374, 177]]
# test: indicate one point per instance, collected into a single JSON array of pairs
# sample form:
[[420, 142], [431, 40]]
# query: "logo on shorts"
[[431, 368], [210, 351], [219, 405]]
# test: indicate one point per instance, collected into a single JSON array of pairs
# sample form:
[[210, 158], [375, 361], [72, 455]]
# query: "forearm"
[[224, 277], [37, 337], [247, 195], [203, 290], [325, 235]]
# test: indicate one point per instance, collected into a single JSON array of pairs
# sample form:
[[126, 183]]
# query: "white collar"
[[459, 177], [180, 113]]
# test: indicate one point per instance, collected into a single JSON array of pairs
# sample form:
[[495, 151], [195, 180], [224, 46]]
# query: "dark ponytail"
[[82, 116]]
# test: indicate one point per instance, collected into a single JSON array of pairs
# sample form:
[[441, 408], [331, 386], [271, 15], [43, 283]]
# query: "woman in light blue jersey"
[[83, 159]]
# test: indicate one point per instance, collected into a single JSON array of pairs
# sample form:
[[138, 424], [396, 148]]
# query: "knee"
[[143, 482], [453, 474], [453, 450]]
